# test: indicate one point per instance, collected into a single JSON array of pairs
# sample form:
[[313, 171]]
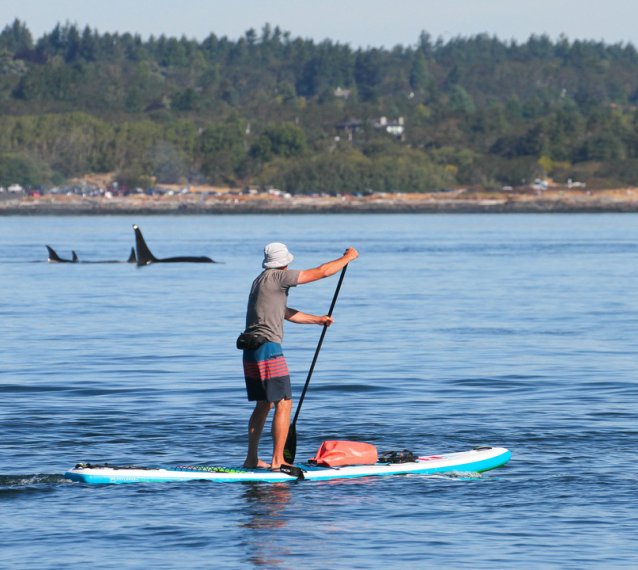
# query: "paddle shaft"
[[314, 360]]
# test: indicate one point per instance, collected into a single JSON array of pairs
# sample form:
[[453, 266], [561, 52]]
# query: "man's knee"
[[283, 404], [263, 406]]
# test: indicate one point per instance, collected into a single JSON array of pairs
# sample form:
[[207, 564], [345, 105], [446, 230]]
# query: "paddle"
[[290, 449]]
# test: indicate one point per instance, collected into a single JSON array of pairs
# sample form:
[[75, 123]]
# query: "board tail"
[[144, 255]]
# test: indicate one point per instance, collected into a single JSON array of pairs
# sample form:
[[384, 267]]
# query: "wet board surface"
[[473, 461]]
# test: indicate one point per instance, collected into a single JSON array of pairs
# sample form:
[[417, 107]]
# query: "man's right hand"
[[351, 253], [327, 269]]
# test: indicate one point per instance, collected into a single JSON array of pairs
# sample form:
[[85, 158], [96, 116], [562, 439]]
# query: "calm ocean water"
[[451, 331]]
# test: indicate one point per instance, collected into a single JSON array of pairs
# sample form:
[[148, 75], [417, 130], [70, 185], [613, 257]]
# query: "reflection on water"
[[266, 506]]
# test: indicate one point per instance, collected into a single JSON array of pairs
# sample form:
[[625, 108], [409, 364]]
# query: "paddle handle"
[[323, 334]]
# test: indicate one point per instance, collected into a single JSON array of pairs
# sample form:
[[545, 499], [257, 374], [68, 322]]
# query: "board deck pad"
[[476, 460]]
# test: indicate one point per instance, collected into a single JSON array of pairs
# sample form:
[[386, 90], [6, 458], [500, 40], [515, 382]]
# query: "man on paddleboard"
[[265, 368]]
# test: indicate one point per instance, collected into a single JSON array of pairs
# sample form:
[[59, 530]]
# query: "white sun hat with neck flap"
[[276, 255]]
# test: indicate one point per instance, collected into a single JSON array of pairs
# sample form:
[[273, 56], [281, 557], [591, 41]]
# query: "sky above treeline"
[[359, 23]]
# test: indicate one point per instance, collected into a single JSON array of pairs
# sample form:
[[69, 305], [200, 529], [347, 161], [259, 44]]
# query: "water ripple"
[[451, 332]]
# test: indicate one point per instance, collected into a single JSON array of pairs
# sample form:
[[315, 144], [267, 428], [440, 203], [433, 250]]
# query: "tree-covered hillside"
[[272, 109]]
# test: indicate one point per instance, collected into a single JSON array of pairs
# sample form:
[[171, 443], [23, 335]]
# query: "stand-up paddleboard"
[[474, 461]]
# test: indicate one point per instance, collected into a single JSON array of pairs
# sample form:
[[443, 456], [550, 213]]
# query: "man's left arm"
[[295, 316]]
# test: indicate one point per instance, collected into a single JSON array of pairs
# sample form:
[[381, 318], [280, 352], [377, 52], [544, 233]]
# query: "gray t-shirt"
[[267, 302]]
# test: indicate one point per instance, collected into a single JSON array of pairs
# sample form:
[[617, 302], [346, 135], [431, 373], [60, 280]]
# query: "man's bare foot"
[[260, 465]]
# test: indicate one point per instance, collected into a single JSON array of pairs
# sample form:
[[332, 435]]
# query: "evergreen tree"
[[16, 38], [272, 108]]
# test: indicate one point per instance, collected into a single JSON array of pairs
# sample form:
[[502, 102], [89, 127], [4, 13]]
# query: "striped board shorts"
[[266, 374]]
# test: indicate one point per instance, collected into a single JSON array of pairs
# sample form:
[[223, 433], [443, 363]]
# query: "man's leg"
[[255, 428], [280, 426]]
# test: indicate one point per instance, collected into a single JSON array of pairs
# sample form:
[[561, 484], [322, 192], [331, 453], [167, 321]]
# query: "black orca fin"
[[75, 257], [132, 258], [144, 255], [53, 256]]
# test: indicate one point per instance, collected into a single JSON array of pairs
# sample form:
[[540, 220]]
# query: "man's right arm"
[[327, 269]]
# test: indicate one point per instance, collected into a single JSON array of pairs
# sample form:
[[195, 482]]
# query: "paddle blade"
[[290, 449]]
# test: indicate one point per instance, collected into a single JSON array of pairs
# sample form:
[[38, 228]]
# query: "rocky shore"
[[234, 202]]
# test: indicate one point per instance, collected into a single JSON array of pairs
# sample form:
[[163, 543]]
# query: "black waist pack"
[[250, 341]]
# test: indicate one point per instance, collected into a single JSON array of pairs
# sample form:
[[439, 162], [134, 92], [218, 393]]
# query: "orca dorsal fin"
[[53, 256], [132, 258], [144, 255], [74, 259]]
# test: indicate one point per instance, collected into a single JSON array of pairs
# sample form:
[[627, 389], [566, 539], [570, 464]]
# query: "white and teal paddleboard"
[[474, 461]]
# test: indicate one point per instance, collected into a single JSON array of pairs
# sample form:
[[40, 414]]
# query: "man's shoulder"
[[286, 277], [291, 277]]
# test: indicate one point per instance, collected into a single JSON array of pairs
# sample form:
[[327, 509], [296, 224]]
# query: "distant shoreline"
[[457, 201]]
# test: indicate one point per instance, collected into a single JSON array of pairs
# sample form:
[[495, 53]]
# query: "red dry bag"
[[341, 453]]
